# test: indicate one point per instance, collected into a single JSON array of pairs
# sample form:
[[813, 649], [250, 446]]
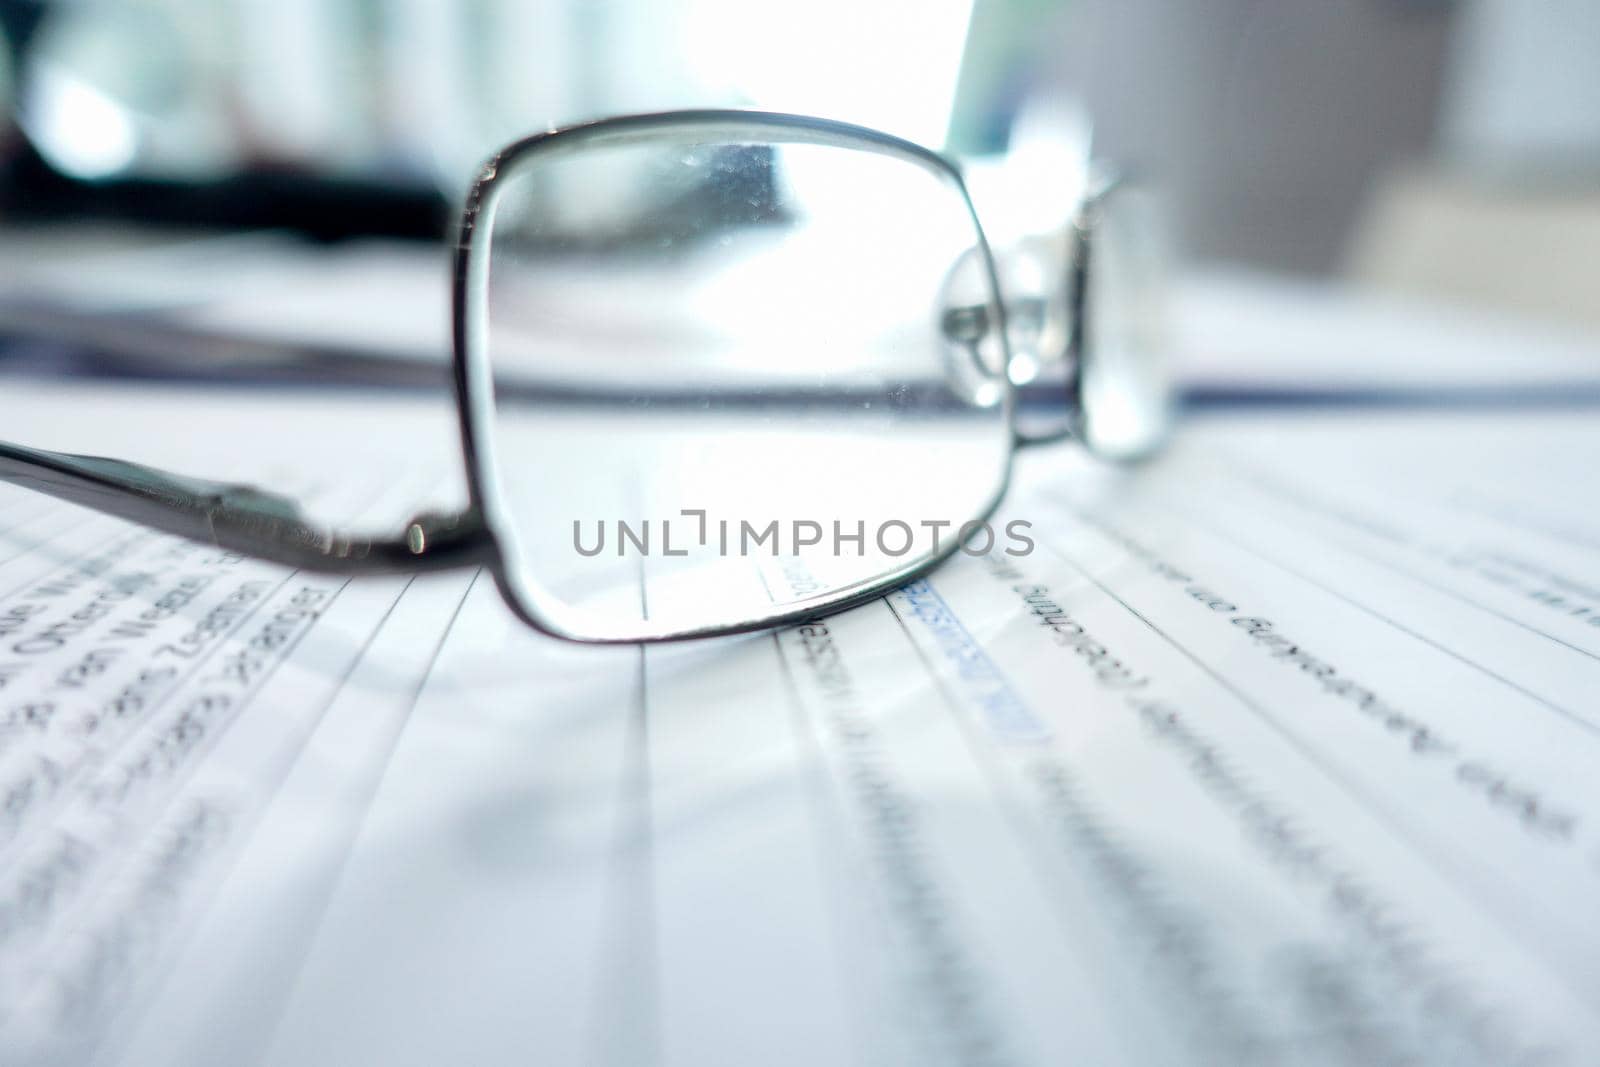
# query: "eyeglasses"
[[722, 370]]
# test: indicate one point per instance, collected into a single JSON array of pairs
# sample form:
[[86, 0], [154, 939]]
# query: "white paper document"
[[1281, 749]]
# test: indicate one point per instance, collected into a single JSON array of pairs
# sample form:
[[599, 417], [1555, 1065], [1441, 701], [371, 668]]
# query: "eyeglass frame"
[[271, 527]]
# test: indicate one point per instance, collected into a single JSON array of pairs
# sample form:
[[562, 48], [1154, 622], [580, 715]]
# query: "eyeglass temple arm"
[[239, 518]]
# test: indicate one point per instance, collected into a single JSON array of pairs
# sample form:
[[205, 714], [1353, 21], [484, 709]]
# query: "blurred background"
[[1443, 151]]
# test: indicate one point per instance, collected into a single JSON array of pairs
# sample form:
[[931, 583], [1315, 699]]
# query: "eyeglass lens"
[[733, 377]]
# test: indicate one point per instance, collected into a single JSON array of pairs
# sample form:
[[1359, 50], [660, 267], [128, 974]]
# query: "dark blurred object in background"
[[1444, 150], [1266, 121], [1506, 213], [319, 206]]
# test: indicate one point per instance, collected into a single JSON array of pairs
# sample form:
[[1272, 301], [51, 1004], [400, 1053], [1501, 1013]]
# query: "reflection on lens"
[[721, 380], [1034, 274]]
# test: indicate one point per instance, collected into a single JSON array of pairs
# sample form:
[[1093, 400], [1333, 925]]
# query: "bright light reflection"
[[80, 130], [1037, 186], [891, 64]]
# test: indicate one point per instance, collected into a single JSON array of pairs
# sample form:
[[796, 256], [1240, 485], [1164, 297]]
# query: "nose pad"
[[1033, 280], [969, 323]]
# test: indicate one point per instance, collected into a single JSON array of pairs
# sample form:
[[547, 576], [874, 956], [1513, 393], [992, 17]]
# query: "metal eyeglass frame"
[[268, 526]]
